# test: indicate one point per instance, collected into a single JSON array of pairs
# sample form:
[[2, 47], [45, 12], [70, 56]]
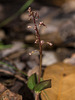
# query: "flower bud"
[[29, 27], [42, 42], [29, 9], [36, 41], [41, 24], [49, 43]]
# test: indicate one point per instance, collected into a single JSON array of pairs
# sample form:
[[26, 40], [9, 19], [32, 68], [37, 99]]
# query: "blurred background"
[[17, 41]]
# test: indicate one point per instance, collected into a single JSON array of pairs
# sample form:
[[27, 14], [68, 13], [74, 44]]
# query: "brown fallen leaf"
[[6, 94], [34, 70], [15, 48], [2, 88], [57, 3], [5, 71], [63, 82], [15, 75], [70, 60]]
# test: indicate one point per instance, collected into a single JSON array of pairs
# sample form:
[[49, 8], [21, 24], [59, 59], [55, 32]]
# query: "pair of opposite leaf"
[[38, 87]]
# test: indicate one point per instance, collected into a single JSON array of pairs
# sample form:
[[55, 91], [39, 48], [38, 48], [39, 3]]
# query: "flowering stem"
[[40, 52], [34, 15], [40, 47]]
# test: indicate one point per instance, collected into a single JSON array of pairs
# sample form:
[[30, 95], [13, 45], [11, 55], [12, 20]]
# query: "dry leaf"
[[63, 82], [2, 88], [6, 94], [34, 70]]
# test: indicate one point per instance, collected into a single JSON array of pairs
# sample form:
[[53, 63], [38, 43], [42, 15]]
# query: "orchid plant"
[[34, 82]]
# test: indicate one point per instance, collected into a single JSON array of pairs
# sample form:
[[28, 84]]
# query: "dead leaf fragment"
[[2, 88], [8, 95], [63, 81]]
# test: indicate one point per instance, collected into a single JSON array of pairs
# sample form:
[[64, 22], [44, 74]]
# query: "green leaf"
[[42, 85], [21, 10], [32, 81], [2, 46], [3, 63]]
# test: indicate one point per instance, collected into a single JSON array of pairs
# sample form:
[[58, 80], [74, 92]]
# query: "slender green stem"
[[21, 10], [3, 63]]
